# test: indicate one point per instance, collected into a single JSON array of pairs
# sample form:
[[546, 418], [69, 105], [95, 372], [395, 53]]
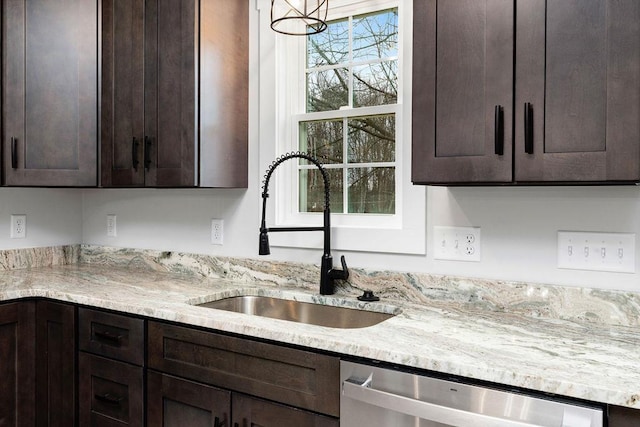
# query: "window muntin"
[[349, 67]]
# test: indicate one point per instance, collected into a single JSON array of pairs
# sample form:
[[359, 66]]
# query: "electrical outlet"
[[579, 250], [456, 243], [112, 230], [18, 226], [217, 231]]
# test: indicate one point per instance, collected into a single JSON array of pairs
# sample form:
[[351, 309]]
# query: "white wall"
[[54, 216]]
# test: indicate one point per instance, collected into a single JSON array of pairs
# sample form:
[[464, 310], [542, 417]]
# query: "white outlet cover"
[[579, 250], [112, 225], [18, 226], [217, 231], [456, 243]]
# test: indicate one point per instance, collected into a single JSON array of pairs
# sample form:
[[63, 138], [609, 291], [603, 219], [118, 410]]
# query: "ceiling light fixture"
[[299, 17]]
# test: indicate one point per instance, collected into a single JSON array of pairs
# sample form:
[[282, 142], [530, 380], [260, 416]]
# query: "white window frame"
[[282, 104]]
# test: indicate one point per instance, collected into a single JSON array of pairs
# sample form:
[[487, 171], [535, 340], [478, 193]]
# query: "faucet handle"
[[340, 274]]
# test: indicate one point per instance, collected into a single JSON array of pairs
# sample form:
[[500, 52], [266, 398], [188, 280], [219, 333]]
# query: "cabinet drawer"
[[110, 392], [111, 335], [295, 377]]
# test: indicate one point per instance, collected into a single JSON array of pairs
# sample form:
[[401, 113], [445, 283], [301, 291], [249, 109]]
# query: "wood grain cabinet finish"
[[623, 417], [111, 335], [576, 91], [462, 71], [174, 93], [176, 402], [56, 364], [50, 92], [293, 377], [111, 369], [582, 80], [110, 392], [251, 412], [17, 364]]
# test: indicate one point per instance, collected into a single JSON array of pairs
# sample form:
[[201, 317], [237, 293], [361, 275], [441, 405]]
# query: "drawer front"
[[110, 392], [295, 377], [111, 335]]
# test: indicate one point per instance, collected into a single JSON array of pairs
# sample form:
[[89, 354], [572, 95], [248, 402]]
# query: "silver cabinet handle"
[[424, 410]]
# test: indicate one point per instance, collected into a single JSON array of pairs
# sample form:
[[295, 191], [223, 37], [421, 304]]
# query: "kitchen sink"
[[301, 312]]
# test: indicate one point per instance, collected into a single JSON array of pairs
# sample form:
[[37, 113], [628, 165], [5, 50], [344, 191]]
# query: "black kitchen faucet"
[[327, 273]]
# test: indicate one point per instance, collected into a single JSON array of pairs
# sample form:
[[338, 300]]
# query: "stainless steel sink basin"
[[302, 312]]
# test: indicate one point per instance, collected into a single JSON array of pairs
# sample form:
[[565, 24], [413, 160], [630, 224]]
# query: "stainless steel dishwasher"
[[376, 397]]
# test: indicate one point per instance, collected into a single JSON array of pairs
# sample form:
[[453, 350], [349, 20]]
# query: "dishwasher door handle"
[[424, 410]]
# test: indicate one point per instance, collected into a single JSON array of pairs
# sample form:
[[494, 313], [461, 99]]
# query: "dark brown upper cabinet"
[[575, 92], [462, 80], [174, 93], [50, 92]]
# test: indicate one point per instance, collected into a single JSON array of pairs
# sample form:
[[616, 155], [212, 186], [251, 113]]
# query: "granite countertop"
[[592, 361]]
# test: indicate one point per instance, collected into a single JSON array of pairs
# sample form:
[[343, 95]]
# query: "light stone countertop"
[[587, 361]]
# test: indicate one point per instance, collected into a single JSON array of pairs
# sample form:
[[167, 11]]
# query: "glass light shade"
[[299, 17]]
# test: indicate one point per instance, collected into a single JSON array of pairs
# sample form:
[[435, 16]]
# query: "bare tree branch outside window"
[[352, 64]]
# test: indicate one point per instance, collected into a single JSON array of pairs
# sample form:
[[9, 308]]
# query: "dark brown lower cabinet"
[[55, 364], [250, 412], [623, 417], [17, 363], [110, 392], [176, 402]]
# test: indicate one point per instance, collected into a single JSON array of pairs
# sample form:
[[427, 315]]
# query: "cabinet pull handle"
[[528, 128], [107, 398], [106, 335], [134, 153], [14, 153], [499, 130], [147, 152]]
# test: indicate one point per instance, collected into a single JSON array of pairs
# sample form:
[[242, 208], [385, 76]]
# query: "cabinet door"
[[55, 364], [623, 417], [175, 402], [122, 104], [250, 412], [17, 365], [462, 91], [582, 80], [171, 43], [50, 92], [110, 392]]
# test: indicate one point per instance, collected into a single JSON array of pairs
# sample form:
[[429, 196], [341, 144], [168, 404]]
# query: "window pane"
[[375, 84], [372, 139], [323, 140], [329, 47], [312, 190], [372, 190], [327, 90], [375, 35]]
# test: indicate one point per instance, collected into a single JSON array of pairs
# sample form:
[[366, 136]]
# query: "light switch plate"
[[580, 250], [456, 243]]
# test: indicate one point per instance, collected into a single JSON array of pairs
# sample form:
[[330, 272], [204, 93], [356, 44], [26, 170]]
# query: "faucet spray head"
[[264, 248]]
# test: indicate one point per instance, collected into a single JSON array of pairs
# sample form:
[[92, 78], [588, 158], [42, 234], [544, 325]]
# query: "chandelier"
[[299, 17]]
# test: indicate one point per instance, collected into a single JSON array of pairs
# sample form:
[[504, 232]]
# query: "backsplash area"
[[465, 294]]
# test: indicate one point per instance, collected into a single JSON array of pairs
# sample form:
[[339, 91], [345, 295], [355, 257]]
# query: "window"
[[343, 95], [351, 94]]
